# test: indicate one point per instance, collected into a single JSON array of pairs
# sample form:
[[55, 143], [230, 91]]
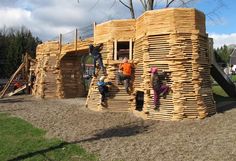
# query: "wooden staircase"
[[118, 100]]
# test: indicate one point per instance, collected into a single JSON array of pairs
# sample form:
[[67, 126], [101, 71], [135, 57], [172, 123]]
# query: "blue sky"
[[48, 18], [224, 19], [220, 24]]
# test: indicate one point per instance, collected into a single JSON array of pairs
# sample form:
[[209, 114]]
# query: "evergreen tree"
[[13, 44], [223, 54]]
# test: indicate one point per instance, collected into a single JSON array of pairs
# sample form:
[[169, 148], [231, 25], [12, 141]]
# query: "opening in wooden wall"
[[72, 71], [139, 100], [123, 49], [88, 69]]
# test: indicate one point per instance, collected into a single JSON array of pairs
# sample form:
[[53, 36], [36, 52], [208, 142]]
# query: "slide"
[[223, 80]]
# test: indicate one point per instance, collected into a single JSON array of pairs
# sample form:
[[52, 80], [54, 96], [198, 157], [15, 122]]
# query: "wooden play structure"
[[23, 73], [174, 40]]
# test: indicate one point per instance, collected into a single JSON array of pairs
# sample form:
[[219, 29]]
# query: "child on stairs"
[[125, 73], [103, 89]]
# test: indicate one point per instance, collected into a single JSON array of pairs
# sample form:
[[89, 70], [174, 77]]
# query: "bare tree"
[[147, 4], [150, 4], [129, 6]]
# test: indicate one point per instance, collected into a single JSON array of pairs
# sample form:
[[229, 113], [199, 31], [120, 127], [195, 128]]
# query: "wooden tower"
[[173, 40]]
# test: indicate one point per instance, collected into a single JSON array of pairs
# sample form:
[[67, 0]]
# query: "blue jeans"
[[100, 62]]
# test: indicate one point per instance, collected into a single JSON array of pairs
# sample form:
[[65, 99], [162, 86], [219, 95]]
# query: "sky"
[[48, 18]]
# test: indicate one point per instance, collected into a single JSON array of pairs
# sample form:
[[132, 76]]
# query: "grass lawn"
[[19, 140], [233, 78]]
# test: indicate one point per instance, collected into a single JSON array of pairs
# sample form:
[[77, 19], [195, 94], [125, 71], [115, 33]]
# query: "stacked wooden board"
[[45, 83], [173, 40], [58, 69]]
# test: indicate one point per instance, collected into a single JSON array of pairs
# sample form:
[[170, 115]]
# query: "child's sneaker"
[[156, 108]]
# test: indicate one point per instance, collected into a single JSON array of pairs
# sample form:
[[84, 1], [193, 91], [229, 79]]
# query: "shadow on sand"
[[225, 106], [224, 103], [118, 131]]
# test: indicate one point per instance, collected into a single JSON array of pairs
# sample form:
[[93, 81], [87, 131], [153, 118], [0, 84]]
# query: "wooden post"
[[2, 93], [76, 37], [60, 42], [130, 49], [27, 65], [94, 29], [115, 49]]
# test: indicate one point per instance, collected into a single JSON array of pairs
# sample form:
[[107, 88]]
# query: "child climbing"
[[158, 86], [97, 56], [126, 73], [103, 89]]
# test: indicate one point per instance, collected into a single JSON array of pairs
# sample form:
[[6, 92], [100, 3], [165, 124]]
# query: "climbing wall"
[[158, 51], [175, 41], [118, 100]]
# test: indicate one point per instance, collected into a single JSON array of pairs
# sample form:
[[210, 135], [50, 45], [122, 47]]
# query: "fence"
[[75, 35]]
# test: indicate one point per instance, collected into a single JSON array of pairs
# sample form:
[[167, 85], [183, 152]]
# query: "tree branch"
[[184, 3], [150, 4], [124, 4], [144, 4], [130, 7], [169, 3]]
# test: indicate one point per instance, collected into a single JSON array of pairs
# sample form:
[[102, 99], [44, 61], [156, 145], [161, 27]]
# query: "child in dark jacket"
[[103, 89], [97, 56], [158, 86]]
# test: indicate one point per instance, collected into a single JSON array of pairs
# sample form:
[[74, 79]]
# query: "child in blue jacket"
[[103, 89]]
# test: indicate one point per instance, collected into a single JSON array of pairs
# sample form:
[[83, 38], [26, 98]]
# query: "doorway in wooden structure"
[[88, 70], [123, 49], [139, 100], [72, 74]]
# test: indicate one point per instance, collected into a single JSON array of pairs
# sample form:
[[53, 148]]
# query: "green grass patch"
[[220, 95], [20, 139], [233, 78]]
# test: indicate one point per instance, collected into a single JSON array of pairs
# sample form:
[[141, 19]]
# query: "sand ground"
[[122, 136]]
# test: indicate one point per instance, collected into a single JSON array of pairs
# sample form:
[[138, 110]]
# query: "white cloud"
[[223, 39], [14, 16], [49, 18]]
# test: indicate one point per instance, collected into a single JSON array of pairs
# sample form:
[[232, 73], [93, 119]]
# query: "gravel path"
[[122, 136]]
